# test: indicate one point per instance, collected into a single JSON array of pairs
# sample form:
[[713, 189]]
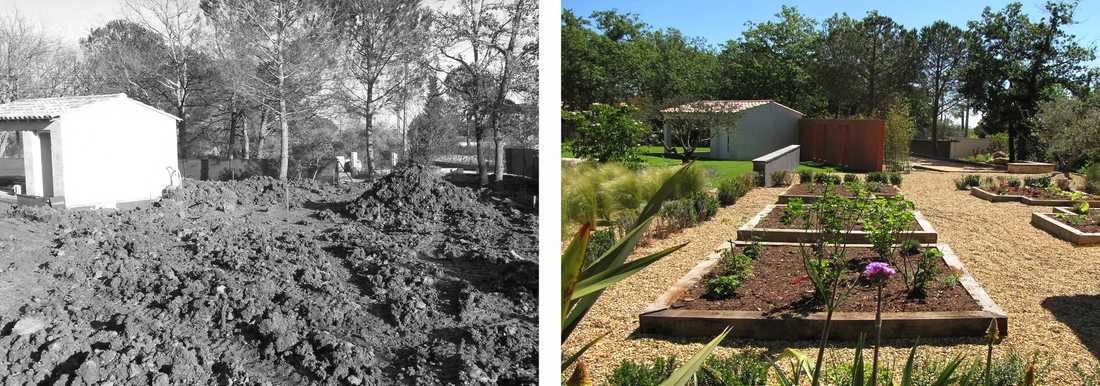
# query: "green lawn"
[[654, 156]]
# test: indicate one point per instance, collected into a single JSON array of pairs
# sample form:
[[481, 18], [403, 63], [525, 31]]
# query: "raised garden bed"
[[1029, 167], [1085, 233], [775, 303], [766, 226], [809, 193], [1027, 196]]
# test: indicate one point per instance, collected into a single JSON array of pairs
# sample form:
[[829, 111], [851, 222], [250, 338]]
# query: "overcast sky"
[[68, 20]]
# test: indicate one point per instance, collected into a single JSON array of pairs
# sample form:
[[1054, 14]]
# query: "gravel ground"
[[1050, 289]]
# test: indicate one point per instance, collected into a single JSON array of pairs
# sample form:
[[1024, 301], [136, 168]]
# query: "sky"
[[718, 21], [68, 20]]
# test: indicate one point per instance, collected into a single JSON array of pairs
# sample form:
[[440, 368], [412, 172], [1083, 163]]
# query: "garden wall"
[[224, 169], [952, 148], [854, 144], [785, 158], [521, 161]]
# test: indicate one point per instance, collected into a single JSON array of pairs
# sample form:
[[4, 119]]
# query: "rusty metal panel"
[[854, 144]]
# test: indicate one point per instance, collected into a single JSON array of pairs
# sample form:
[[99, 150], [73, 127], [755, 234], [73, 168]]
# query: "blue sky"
[[718, 21]]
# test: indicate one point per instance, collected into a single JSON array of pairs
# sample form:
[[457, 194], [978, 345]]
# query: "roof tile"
[[48, 108]]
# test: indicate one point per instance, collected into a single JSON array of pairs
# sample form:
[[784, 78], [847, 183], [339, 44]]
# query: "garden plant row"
[[1074, 217], [799, 271]]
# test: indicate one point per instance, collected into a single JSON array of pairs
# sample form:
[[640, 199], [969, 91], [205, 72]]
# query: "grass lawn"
[[654, 156]]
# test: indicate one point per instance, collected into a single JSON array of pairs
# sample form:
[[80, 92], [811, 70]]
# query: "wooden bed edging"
[[993, 197], [785, 197], [749, 231], [659, 318], [1048, 223]]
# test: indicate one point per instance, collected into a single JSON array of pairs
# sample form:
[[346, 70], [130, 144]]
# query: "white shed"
[[762, 126], [93, 151]]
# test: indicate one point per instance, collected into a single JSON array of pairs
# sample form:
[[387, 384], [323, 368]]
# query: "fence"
[[224, 169], [853, 144], [785, 158], [951, 148], [11, 167], [522, 162]]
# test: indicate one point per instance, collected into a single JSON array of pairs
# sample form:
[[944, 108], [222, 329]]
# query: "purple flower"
[[878, 271]]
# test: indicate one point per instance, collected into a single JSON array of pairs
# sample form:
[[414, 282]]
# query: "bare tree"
[[283, 46], [484, 39], [382, 38]]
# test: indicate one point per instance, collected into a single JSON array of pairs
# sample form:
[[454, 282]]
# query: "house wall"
[[760, 130], [114, 151]]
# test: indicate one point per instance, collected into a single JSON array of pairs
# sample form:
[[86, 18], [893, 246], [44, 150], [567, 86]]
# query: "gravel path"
[[1050, 289]]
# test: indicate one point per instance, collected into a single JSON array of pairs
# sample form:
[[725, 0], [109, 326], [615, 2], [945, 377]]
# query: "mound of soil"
[[184, 293], [254, 191]]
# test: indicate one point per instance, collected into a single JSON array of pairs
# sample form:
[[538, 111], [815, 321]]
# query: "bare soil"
[[1089, 223], [774, 220], [779, 286], [409, 280], [818, 189]]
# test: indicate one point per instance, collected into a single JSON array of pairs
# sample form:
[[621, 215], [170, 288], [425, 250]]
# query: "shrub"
[[706, 206], [599, 243], [879, 177], [629, 373], [1010, 369], [781, 178], [1037, 182], [827, 178], [873, 186], [972, 180], [900, 128], [678, 214], [805, 177], [724, 286], [1013, 182], [909, 247], [607, 133], [895, 179], [928, 267], [753, 250], [740, 369], [731, 189], [1092, 178], [850, 178], [961, 184]]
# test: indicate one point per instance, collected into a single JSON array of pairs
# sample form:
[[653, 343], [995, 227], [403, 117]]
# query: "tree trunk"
[[261, 134], [284, 157], [936, 128], [369, 160], [498, 175], [482, 172], [244, 134], [1011, 144]]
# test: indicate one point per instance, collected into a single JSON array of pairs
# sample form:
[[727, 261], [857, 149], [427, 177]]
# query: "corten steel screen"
[[854, 144]]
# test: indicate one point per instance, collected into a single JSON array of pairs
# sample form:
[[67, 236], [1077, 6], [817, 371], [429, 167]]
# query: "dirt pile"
[[254, 191], [172, 294]]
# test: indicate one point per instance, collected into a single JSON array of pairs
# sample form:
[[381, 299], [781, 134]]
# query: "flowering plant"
[[878, 272]]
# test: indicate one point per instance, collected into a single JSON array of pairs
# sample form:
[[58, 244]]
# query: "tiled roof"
[[48, 108], [722, 106]]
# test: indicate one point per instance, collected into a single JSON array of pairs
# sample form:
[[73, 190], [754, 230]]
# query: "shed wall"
[[115, 151], [760, 130]]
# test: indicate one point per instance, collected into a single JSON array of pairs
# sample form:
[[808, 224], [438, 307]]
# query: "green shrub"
[[678, 214], [873, 186], [805, 177], [850, 178], [972, 180], [753, 250], [735, 370], [879, 177], [827, 178], [599, 243], [731, 189], [1037, 182], [1065, 184], [909, 247], [607, 133], [631, 374], [960, 184], [1092, 178], [895, 179], [928, 267], [706, 206], [1007, 370], [1013, 182], [781, 178], [722, 287]]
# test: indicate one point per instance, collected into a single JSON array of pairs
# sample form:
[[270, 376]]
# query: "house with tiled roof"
[[90, 151], [756, 127]]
